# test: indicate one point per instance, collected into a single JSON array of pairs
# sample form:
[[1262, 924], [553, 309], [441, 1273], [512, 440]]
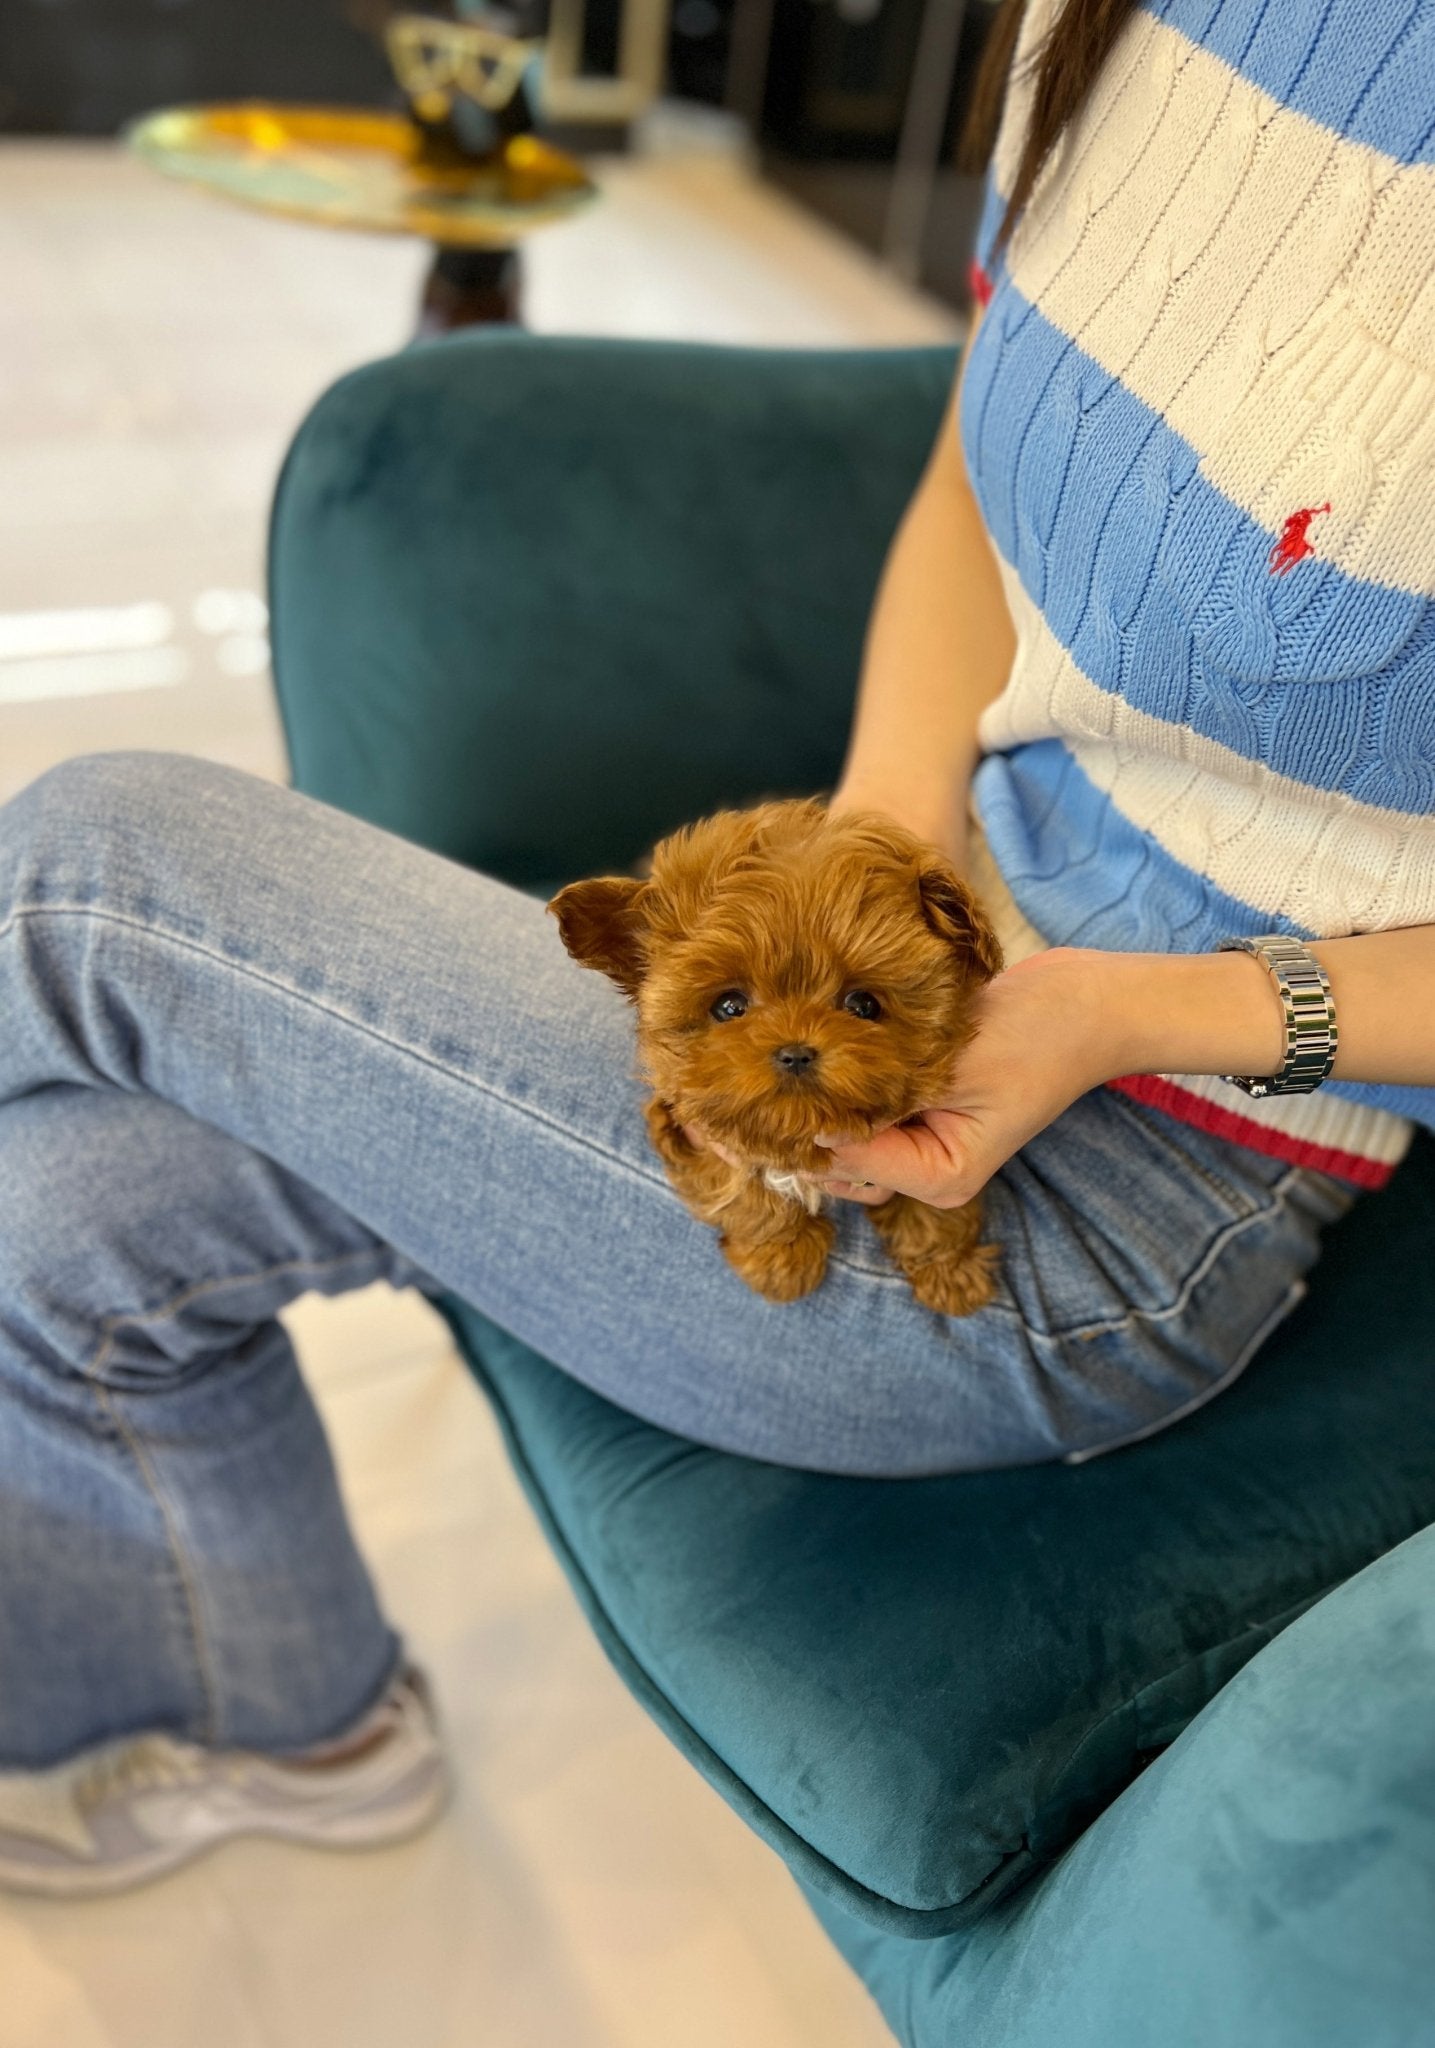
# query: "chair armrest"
[[1268, 1882], [537, 600]]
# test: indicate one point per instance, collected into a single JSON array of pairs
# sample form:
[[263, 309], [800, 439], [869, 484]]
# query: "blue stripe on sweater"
[[1365, 68], [1084, 875], [993, 208], [1160, 587]]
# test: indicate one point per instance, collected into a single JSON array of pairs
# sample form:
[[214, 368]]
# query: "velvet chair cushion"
[[922, 1691], [1269, 1881], [537, 600]]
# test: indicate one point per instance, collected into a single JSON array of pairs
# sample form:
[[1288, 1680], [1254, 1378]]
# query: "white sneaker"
[[120, 1815]]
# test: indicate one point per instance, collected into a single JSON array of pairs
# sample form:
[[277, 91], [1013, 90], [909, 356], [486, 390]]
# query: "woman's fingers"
[[920, 1159], [938, 1158]]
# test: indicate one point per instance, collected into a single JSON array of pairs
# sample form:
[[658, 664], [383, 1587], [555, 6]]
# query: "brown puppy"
[[795, 976]]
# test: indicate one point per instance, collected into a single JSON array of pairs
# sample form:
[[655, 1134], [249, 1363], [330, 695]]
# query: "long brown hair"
[[1064, 66]]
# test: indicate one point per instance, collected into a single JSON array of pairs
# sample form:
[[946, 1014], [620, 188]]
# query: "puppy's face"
[[794, 974]]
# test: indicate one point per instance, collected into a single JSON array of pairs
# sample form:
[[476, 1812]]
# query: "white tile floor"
[[587, 1891]]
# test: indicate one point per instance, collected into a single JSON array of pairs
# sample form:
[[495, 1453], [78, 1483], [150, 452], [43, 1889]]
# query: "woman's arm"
[[939, 648], [1067, 1020], [1217, 1013]]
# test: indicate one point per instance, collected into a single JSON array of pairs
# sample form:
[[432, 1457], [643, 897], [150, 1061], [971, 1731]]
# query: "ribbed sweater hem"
[[1364, 1130]]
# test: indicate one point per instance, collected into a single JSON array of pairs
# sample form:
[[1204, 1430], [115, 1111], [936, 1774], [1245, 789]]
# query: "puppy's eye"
[[858, 1003], [731, 1003]]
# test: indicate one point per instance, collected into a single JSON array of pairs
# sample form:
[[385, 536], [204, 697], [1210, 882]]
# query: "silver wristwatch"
[[1309, 1007]]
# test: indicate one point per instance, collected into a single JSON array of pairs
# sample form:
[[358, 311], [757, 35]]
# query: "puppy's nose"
[[796, 1059]]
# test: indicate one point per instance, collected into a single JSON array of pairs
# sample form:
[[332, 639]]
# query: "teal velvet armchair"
[[1138, 1753]]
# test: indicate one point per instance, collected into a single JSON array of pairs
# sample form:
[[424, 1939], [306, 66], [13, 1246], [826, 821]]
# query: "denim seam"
[[1290, 1300], [240, 967], [1143, 1114], [1218, 1244], [112, 1323], [298, 995], [188, 1590], [104, 1396]]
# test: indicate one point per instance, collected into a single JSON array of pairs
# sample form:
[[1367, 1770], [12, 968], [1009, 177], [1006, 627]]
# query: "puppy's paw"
[[783, 1268], [957, 1283], [940, 1252]]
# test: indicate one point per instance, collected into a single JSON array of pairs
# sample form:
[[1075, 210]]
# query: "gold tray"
[[352, 169]]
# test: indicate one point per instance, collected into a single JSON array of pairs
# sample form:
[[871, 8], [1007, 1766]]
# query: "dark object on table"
[[471, 87]]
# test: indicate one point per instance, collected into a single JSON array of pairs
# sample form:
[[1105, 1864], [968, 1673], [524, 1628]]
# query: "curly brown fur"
[[813, 922]]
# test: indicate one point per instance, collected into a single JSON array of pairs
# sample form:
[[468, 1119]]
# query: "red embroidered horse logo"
[[1294, 545]]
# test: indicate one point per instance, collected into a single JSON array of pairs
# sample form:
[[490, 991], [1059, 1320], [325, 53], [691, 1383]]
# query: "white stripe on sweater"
[[1332, 864], [1265, 285]]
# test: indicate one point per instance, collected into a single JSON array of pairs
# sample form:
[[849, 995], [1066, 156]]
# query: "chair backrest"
[[476, 544]]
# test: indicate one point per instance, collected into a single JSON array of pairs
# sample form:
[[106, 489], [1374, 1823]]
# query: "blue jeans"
[[251, 1046]]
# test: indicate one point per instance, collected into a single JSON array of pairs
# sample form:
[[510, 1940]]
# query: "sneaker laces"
[[137, 1766], [53, 1806]]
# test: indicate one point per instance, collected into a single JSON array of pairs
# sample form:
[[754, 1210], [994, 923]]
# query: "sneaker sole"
[[396, 1824]]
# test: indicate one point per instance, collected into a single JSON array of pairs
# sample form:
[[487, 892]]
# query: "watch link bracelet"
[[1309, 1006]]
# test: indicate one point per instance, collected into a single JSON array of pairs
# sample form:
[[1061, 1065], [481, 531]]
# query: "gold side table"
[[345, 167]]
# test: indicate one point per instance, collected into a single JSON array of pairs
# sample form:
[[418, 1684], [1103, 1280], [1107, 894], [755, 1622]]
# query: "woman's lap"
[[409, 1043]]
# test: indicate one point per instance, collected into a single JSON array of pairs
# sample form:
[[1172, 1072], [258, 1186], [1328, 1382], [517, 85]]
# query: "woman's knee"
[[60, 829], [73, 1192], [138, 1243]]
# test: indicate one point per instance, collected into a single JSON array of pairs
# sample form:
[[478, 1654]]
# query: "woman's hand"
[[1038, 1047], [1053, 1027]]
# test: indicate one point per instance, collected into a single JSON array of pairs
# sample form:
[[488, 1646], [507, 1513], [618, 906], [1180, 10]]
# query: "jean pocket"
[[1289, 1299], [1238, 1181]]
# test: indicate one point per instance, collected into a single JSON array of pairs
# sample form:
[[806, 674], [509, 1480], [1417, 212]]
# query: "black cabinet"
[[829, 86]]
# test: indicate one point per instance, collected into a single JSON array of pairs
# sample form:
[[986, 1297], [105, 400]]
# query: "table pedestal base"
[[470, 288]]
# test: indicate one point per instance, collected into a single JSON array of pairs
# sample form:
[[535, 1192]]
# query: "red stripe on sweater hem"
[[980, 283], [1244, 1130]]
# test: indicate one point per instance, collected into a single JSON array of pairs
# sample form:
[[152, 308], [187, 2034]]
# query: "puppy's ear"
[[955, 915], [604, 924]]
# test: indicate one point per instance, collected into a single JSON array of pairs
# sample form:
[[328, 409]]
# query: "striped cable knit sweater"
[[1199, 417]]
